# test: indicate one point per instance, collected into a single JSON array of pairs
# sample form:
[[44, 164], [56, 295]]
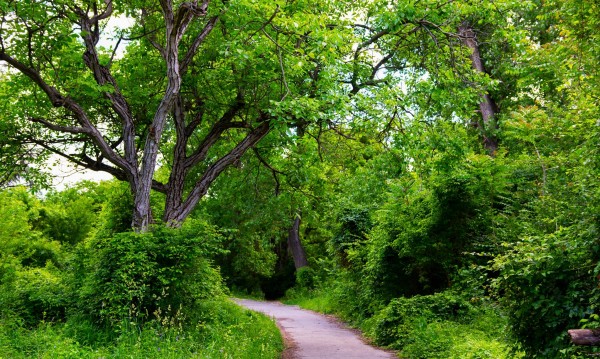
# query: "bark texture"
[[585, 336], [487, 106], [295, 246]]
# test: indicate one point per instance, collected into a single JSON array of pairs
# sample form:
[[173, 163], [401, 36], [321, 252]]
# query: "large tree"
[[191, 86], [197, 86]]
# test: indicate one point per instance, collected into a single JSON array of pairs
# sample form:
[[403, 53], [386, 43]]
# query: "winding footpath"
[[310, 335]]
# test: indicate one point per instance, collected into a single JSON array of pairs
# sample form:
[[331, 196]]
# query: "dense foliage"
[[423, 209], [73, 286]]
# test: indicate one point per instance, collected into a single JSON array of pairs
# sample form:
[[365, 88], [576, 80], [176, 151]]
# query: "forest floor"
[[309, 335]]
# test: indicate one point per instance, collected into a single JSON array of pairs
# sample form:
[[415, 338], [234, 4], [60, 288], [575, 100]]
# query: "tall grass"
[[223, 330], [318, 300]]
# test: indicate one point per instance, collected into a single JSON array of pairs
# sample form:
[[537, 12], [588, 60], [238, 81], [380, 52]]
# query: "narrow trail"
[[310, 335]]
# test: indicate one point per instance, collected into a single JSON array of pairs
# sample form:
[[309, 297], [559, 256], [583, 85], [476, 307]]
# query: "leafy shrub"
[[14, 218], [442, 326], [29, 295], [116, 214], [355, 223], [546, 283], [394, 324], [41, 295], [452, 340], [542, 273], [68, 216], [31, 288], [159, 274], [305, 277], [18, 238], [424, 229], [9, 269], [355, 296]]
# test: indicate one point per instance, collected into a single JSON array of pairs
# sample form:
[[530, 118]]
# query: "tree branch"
[[273, 170], [103, 76], [224, 123], [214, 170], [263, 25], [151, 35], [54, 96], [83, 161], [58, 100], [195, 122], [59, 128], [106, 14], [196, 44]]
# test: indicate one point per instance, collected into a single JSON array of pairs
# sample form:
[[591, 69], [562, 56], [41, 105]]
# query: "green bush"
[[442, 326], [9, 299], [154, 275], [116, 213], [547, 284], [305, 277], [393, 326], [18, 238], [68, 216], [29, 295], [354, 224], [452, 340], [41, 295], [424, 229]]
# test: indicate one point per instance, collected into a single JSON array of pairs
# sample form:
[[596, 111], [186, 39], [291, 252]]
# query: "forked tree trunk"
[[295, 246], [487, 106], [125, 164], [174, 30]]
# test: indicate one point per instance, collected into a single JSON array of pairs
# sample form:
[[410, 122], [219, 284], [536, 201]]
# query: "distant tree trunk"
[[295, 246], [487, 106]]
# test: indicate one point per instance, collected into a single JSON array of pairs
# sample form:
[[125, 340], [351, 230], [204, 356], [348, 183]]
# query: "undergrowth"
[[424, 327], [222, 330]]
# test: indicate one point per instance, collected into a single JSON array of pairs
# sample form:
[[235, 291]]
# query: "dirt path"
[[310, 335]]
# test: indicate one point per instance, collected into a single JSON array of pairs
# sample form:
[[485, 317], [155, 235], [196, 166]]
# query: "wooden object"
[[585, 336]]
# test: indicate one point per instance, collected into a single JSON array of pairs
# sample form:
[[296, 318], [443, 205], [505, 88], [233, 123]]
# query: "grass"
[[224, 331], [243, 294], [316, 300], [452, 340]]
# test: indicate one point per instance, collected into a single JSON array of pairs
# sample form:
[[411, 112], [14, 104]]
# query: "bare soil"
[[310, 335]]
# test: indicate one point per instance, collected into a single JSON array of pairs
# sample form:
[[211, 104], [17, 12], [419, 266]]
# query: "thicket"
[[433, 219], [469, 256], [430, 219], [73, 284]]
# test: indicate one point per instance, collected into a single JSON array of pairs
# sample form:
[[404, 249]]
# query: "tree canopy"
[[189, 87]]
